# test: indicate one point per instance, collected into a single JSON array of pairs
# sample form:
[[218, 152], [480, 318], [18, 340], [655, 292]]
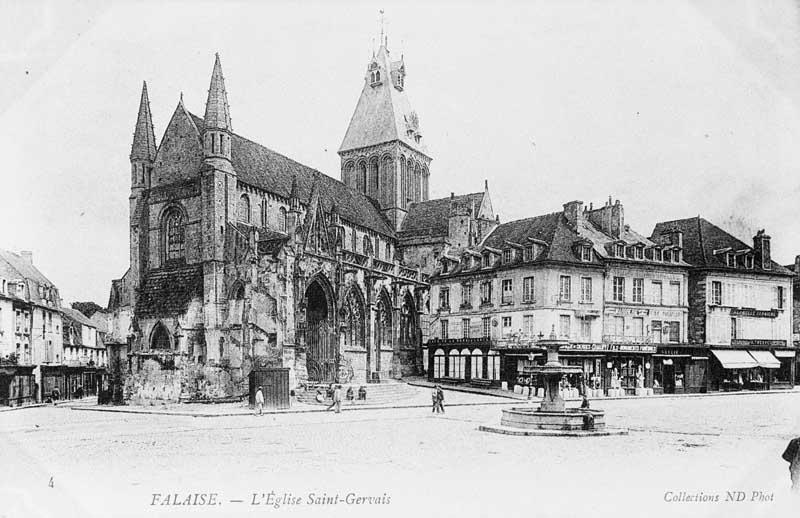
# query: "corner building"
[[241, 257], [580, 274]]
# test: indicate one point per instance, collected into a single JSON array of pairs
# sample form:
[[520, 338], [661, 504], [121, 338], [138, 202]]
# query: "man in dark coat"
[[792, 456]]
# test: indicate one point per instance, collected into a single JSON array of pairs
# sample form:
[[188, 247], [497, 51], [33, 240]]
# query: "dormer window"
[[748, 261], [657, 254], [638, 252], [667, 256], [586, 253], [508, 256], [730, 260], [487, 260], [619, 250], [444, 266], [676, 256], [527, 253]]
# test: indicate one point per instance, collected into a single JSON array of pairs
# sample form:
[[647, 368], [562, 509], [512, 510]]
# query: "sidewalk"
[[420, 382], [419, 400]]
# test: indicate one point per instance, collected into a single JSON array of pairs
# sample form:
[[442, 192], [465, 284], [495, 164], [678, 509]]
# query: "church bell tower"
[[383, 153]]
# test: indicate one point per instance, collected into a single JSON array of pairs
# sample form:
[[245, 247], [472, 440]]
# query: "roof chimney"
[[27, 255], [573, 211], [761, 245]]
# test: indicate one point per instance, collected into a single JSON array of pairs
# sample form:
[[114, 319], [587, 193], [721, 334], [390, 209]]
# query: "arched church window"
[[264, 213], [174, 235], [372, 187], [361, 180], [378, 76], [160, 338], [221, 348], [282, 219], [244, 209], [367, 245], [353, 240]]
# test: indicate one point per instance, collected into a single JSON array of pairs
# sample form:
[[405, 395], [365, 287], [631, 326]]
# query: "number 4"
[[50, 484]]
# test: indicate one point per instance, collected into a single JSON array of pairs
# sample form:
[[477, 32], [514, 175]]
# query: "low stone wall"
[[153, 384]]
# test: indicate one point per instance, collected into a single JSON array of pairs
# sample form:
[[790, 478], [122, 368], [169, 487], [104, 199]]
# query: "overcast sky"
[[675, 108]]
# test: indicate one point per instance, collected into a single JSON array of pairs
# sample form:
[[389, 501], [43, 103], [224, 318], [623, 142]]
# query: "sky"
[[677, 108]]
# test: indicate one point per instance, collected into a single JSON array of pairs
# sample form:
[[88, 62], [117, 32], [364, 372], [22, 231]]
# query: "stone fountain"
[[552, 417]]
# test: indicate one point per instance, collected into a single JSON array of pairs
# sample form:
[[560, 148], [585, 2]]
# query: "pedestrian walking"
[[260, 400], [440, 398], [350, 395], [362, 393], [792, 456], [336, 404], [435, 399]]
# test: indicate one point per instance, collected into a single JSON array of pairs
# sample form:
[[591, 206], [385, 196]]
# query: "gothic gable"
[[180, 154]]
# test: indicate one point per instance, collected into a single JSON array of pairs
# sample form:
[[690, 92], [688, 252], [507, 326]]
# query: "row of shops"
[[27, 384], [623, 368]]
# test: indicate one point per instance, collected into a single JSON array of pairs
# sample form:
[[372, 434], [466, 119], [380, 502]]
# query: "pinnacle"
[[217, 114], [144, 140]]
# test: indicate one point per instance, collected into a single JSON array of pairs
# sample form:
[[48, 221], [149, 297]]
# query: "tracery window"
[[174, 235]]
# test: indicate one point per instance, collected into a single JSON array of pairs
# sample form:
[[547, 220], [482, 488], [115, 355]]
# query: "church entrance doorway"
[[321, 357]]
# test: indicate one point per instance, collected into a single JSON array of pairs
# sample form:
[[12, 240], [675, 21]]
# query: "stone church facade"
[[242, 257]]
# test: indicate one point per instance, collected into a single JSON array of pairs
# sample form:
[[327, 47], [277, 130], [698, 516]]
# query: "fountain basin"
[[536, 419]]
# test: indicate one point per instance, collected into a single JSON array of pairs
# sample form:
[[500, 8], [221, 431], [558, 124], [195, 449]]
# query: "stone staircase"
[[383, 393]]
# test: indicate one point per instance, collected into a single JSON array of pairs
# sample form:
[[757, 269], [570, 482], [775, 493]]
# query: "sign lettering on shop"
[[624, 348], [750, 312]]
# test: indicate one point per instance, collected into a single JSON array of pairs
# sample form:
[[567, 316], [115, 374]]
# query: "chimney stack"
[[573, 211], [761, 245]]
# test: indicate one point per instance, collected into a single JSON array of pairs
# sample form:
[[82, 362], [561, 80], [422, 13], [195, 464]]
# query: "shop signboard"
[[622, 348], [738, 342], [750, 312]]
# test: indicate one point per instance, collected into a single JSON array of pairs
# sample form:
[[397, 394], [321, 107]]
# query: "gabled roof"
[[270, 171], [77, 316], [430, 218], [15, 267], [383, 112], [701, 238]]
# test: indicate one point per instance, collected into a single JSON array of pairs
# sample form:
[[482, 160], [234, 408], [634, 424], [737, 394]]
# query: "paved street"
[[107, 464]]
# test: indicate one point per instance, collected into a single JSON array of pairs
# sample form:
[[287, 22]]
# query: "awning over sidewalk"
[[735, 359], [765, 359], [785, 354]]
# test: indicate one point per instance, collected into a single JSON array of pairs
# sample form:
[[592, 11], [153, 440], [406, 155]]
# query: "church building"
[[241, 257]]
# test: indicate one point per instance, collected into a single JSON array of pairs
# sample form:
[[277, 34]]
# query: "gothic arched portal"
[[321, 350]]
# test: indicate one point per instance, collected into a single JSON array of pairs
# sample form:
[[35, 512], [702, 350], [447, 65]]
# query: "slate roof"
[[552, 229], [168, 292], [701, 238], [270, 171], [14, 267], [77, 316], [383, 113], [430, 218]]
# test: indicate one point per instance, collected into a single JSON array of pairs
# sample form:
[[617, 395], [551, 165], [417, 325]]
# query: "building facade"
[[30, 329], [740, 306], [580, 274], [85, 355], [241, 257]]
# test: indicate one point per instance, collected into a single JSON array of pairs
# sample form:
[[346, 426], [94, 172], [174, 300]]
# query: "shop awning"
[[785, 354], [765, 359], [735, 359]]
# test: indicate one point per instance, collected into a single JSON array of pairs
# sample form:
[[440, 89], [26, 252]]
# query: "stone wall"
[[154, 383]]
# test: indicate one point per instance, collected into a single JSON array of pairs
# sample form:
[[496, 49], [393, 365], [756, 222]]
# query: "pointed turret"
[[143, 149], [217, 121], [144, 138], [217, 112]]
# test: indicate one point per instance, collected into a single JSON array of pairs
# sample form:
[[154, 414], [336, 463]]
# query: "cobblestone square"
[[110, 464]]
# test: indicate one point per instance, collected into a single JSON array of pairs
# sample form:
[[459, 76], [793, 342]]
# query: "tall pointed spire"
[[144, 139], [217, 113]]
